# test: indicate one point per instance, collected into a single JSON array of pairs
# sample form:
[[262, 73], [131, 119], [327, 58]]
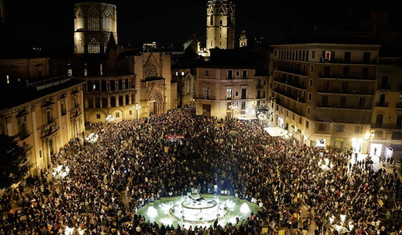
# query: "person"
[[216, 223]]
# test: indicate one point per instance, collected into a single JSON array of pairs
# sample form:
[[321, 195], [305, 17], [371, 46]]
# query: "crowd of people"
[[132, 164]]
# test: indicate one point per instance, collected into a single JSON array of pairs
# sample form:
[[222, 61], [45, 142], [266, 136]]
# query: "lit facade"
[[51, 115], [220, 24], [185, 81], [94, 24], [229, 91], [386, 119], [322, 94]]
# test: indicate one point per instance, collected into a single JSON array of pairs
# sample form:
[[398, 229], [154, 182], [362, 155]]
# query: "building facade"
[[322, 94], [45, 119], [94, 24], [229, 91], [386, 119]]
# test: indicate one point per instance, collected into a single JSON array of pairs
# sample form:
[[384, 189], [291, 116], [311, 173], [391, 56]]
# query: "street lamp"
[[233, 106], [137, 107]]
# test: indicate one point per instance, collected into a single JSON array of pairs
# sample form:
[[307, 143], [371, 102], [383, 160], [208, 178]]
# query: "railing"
[[289, 70], [341, 91], [381, 104], [291, 96], [386, 126], [384, 86], [339, 106], [343, 61], [290, 83], [49, 129], [338, 76]]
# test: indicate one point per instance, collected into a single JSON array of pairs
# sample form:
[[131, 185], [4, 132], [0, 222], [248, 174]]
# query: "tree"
[[13, 161]]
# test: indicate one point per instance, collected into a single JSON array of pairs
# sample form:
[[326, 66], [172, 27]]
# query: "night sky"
[[172, 22]]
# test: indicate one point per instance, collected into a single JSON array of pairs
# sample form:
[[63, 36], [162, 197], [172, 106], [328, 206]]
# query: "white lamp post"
[[233, 106], [137, 107]]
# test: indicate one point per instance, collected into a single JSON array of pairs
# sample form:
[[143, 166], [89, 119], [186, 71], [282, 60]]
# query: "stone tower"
[[94, 24], [243, 39], [220, 24]]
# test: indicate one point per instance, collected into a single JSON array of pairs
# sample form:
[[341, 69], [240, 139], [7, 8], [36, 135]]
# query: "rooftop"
[[21, 92]]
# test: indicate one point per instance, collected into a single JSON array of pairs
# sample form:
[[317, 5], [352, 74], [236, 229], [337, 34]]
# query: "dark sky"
[[173, 21]]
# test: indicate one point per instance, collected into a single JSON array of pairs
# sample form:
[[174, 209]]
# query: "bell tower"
[[220, 24]]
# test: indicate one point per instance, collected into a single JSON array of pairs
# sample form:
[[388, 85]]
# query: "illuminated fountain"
[[196, 209]]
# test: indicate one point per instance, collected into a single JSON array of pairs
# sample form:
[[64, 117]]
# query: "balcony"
[[335, 91], [381, 104], [386, 126], [259, 86], [49, 129], [297, 85], [339, 106], [291, 96], [343, 61], [323, 75], [292, 71], [384, 86]]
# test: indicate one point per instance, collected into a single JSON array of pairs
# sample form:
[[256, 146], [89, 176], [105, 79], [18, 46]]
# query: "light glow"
[[244, 209]]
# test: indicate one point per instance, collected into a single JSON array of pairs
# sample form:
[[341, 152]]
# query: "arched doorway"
[[155, 103]]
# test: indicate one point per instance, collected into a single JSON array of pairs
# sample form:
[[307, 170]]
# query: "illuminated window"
[[229, 93], [107, 22], [93, 24], [94, 46], [98, 116]]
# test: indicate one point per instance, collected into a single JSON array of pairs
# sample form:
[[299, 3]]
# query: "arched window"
[[97, 102], [93, 20], [113, 101], [103, 85], [96, 86], [127, 99], [90, 86], [112, 85], [127, 84], [94, 46], [120, 84], [104, 102], [107, 21], [121, 103]]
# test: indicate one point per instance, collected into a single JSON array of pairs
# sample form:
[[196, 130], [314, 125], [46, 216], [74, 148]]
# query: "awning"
[[274, 131]]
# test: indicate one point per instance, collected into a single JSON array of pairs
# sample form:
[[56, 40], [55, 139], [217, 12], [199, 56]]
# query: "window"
[[93, 23], [229, 93], [230, 74], [244, 93], [362, 101], [308, 110], [287, 113], [366, 57], [379, 119], [80, 21], [70, 72], [293, 116], [300, 120], [98, 116], [365, 73], [346, 71], [324, 100], [130, 112], [243, 105], [211, 20], [63, 108], [339, 128], [237, 93], [327, 71], [347, 57], [310, 82], [117, 114], [107, 22], [321, 127], [220, 22], [309, 96], [307, 124], [311, 68], [206, 73], [312, 54], [206, 93], [357, 129], [399, 121], [244, 73], [237, 73], [343, 101], [94, 46]]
